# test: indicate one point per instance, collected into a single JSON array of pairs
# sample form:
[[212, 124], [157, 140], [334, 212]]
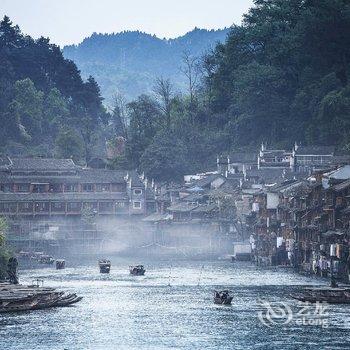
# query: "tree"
[[40, 92], [165, 158], [119, 117], [90, 115], [145, 121], [55, 110], [68, 144], [28, 105], [164, 93], [191, 70]]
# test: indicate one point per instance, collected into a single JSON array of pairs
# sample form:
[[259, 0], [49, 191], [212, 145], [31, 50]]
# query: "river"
[[171, 307]]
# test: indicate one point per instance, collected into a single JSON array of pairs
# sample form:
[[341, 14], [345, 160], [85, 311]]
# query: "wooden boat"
[[24, 298], [324, 295], [222, 297], [105, 266], [60, 264], [46, 260], [15, 304], [137, 270], [68, 300]]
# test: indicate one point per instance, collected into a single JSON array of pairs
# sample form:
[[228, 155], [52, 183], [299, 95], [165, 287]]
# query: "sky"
[[70, 21]]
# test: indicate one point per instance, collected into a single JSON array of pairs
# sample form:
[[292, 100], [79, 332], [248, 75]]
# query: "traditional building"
[[273, 158], [58, 187], [312, 158]]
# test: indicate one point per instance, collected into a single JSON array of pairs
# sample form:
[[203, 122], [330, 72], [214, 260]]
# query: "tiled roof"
[[193, 197], [243, 157], [102, 176], [342, 186], [275, 153], [207, 180], [42, 164], [315, 150], [267, 175], [182, 207]]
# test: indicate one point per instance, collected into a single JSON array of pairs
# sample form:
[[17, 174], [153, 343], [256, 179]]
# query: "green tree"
[[165, 158], [28, 106], [68, 144], [145, 121]]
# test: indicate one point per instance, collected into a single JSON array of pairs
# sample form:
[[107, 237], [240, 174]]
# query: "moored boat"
[[15, 298], [324, 295], [105, 266], [222, 297], [137, 270]]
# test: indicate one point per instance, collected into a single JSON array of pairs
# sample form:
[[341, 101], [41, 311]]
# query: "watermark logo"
[[275, 314], [281, 314]]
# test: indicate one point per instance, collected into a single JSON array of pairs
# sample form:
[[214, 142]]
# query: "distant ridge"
[[130, 61]]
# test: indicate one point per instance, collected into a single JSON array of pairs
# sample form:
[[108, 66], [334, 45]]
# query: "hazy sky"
[[69, 21]]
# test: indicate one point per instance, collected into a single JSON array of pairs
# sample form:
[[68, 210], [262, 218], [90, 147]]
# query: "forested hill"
[[46, 108], [130, 61], [280, 77]]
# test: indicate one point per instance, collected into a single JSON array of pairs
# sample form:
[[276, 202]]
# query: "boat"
[[222, 297], [15, 298], [46, 260], [137, 270], [328, 295], [68, 300], [60, 264], [105, 266]]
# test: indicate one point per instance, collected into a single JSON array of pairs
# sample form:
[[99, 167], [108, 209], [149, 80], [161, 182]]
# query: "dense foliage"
[[130, 61], [282, 76], [44, 101]]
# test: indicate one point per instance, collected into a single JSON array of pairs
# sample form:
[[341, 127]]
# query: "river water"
[[171, 307]]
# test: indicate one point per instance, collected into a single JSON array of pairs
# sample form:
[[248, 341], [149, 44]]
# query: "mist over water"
[[171, 307]]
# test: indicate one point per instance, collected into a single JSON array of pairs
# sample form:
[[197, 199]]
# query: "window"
[[41, 206], [39, 188], [56, 188], [137, 191], [120, 204], [102, 187], [71, 188], [23, 187], [90, 206], [88, 187], [137, 205], [58, 206]]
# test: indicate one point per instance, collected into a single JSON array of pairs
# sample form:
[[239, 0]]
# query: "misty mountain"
[[130, 61]]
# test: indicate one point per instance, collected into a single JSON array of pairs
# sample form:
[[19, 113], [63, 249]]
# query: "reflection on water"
[[170, 307]]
